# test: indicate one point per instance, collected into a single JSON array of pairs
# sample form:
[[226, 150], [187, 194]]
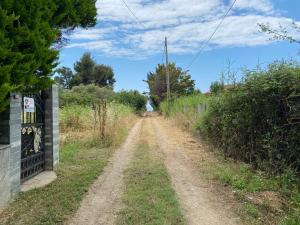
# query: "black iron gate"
[[33, 136]]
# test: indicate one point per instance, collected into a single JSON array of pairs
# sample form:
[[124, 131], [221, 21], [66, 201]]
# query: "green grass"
[[53, 204], [243, 180], [149, 198], [186, 104], [185, 110]]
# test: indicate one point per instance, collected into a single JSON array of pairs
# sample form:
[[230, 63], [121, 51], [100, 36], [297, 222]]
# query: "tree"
[[89, 72], [65, 77], [29, 31], [180, 83], [104, 76], [85, 69]]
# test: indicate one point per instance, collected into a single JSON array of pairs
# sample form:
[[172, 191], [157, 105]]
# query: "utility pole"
[[167, 71]]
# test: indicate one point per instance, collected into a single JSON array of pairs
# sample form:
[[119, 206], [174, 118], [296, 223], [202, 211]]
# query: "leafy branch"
[[282, 33]]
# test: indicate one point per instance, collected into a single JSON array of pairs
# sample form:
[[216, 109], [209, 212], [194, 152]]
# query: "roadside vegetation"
[[88, 139], [149, 197], [254, 125]]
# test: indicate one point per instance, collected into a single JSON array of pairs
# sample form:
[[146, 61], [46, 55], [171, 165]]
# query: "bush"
[[257, 120], [85, 95], [133, 99]]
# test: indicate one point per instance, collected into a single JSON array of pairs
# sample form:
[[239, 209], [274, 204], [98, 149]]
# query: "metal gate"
[[32, 136]]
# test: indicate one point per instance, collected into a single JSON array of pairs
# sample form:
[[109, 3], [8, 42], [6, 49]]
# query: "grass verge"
[[266, 198], [53, 204], [149, 198]]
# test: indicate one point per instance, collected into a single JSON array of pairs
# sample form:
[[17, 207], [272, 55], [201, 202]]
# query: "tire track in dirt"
[[103, 200], [200, 205]]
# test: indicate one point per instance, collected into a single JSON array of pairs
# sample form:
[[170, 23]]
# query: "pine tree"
[[28, 32]]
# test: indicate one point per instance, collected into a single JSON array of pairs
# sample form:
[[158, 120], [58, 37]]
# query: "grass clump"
[[149, 198]]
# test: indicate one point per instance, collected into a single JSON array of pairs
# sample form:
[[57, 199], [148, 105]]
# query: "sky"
[[131, 40]]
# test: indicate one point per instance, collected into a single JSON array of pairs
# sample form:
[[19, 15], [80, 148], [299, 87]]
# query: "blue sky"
[[134, 47]]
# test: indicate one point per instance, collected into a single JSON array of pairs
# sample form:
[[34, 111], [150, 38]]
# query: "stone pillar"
[[15, 142], [51, 128]]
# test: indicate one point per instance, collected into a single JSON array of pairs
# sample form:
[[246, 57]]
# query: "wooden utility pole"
[[167, 71]]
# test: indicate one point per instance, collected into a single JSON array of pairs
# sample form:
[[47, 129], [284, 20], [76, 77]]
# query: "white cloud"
[[187, 23], [264, 6]]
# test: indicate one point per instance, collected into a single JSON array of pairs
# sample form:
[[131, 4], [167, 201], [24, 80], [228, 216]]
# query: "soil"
[[201, 202], [103, 200]]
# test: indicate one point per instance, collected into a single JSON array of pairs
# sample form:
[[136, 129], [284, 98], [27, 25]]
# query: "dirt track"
[[104, 198], [200, 204]]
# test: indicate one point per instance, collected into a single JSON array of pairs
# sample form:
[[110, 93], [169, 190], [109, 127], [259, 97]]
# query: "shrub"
[[133, 99], [257, 120], [85, 95]]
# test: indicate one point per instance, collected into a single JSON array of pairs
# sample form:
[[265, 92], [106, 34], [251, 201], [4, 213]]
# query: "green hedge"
[[258, 120]]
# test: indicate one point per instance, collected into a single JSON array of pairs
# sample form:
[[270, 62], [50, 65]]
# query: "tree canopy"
[[29, 31], [180, 83], [89, 72]]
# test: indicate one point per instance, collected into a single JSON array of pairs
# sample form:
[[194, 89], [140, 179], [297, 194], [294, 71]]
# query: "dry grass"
[[82, 123]]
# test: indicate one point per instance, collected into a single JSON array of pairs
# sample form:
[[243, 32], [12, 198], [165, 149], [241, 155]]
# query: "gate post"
[[15, 142], [10, 149], [51, 128]]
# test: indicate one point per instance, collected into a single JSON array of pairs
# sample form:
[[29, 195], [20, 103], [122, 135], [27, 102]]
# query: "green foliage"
[[217, 87], [84, 95], [257, 120], [185, 104], [65, 77], [73, 116], [180, 83], [89, 72], [133, 99], [186, 110], [28, 32]]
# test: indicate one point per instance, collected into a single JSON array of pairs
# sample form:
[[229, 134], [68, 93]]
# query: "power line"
[[133, 14], [212, 35], [139, 21]]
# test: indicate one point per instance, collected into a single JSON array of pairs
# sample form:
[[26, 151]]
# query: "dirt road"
[[104, 198], [200, 203]]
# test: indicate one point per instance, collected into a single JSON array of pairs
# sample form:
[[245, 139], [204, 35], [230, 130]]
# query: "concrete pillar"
[[5, 193], [10, 149], [15, 142], [51, 128]]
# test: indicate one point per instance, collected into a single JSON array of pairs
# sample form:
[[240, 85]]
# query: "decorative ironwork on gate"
[[33, 137]]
